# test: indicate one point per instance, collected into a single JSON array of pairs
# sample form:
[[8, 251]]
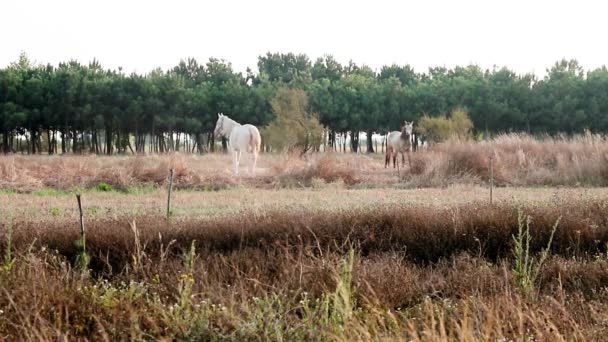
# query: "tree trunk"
[[33, 141], [354, 141], [195, 143], [5, 147], [27, 142], [94, 142], [130, 148], [143, 144], [83, 148], [119, 143], [370, 143], [109, 141], [74, 141], [49, 141], [63, 137]]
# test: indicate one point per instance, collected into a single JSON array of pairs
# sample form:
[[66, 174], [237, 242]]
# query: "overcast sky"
[[527, 36]]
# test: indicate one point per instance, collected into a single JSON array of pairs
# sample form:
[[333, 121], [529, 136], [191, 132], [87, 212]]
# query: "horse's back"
[[245, 138], [393, 136], [392, 140]]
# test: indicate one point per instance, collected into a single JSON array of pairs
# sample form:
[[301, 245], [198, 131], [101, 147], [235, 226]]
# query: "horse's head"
[[219, 125], [407, 128]]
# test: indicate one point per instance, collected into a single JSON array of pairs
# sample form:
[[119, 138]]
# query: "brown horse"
[[398, 142]]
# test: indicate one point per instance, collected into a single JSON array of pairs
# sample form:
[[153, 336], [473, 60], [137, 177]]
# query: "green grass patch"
[[141, 189], [54, 211], [50, 192], [104, 187]]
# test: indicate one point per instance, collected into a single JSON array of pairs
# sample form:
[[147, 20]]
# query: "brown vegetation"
[[417, 273], [30, 173], [420, 233], [519, 160], [390, 268]]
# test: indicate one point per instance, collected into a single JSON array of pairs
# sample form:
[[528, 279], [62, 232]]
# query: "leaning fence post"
[[82, 237], [169, 195], [491, 177]]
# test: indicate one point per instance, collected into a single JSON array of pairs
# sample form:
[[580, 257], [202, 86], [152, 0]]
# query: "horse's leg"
[[402, 159], [394, 159], [387, 159], [235, 162], [255, 160], [409, 159], [238, 161]]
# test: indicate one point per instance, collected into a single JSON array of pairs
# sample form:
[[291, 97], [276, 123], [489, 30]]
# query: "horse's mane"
[[231, 120]]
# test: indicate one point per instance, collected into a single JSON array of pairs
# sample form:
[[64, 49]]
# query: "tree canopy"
[[86, 108]]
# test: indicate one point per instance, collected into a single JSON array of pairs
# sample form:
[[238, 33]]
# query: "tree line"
[[86, 108]]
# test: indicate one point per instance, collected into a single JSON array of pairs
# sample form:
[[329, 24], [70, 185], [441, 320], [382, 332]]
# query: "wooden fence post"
[[82, 237], [491, 177], [169, 195]]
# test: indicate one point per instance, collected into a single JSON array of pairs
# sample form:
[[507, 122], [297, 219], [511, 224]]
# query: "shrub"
[[441, 128], [105, 187], [294, 126]]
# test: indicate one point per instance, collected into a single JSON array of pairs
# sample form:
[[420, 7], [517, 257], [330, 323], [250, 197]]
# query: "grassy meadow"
[[329, 247]]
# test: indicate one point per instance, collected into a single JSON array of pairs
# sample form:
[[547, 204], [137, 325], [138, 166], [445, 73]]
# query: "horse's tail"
[[255, 140]]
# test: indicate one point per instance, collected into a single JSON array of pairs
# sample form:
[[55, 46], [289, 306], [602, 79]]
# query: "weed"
[[343, 302], [526, 268], [54, 211], [9, 260], [104, 187], [83, 259], [7, 191]]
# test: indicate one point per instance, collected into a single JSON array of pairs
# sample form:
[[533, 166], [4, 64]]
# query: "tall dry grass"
[[212, 171], [518, 160], [423, 234], [394, 273]]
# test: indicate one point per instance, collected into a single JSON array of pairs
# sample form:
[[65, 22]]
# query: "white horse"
[[398, 142], [240, 138]]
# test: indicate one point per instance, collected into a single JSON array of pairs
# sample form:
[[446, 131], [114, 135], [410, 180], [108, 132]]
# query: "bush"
[[442, 128], [294, 126], [105, 187]]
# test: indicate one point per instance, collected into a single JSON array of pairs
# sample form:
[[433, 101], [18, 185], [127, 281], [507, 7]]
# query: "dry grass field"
[[51, 204], [333, 247], [518, 160]]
